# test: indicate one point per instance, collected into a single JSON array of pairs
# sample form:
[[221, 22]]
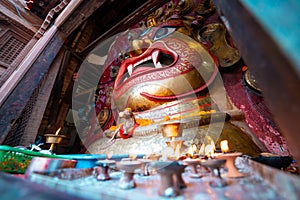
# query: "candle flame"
[[207, 149], [57, 131], [224, 146], [194, 148], [132, 156], [191, 151], [109, 155]]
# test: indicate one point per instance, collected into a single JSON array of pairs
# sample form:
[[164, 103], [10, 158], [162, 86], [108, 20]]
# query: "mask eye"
[[163, 32], [144, 32]]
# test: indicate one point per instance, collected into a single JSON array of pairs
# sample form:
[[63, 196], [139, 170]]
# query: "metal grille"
[[16, 134], [2, 28], [10, 50]]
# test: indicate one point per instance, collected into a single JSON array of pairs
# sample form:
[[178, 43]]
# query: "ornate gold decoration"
[[215, 35], [185, 6], [205, 7], [152, 19]]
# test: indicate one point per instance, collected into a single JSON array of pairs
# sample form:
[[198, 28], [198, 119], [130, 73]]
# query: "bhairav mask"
[[170, 66]]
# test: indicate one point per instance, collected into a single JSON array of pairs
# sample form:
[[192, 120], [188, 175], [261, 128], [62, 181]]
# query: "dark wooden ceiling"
[[109, 16]]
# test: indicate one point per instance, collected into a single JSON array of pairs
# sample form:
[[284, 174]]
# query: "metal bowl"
[[172, 129], [54, 139]]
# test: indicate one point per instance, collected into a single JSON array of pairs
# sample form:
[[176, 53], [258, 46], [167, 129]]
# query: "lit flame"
[[172, 139], [132, 156], [207, 149], [173, 149], [109, 155], [194, 148], [58, 130], [224, 146], [191, 151]]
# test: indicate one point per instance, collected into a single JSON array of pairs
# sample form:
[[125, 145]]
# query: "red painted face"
[[171, 67]]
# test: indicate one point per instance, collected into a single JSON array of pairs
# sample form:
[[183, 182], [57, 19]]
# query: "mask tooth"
[[129, 69], [155, 56], [158, 65]]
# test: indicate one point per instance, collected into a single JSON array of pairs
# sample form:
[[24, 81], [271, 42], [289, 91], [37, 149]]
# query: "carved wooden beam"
[[49, 18], [83, 11]]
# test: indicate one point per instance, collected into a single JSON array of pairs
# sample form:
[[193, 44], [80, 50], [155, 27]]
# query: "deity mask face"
[[170, 67]]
